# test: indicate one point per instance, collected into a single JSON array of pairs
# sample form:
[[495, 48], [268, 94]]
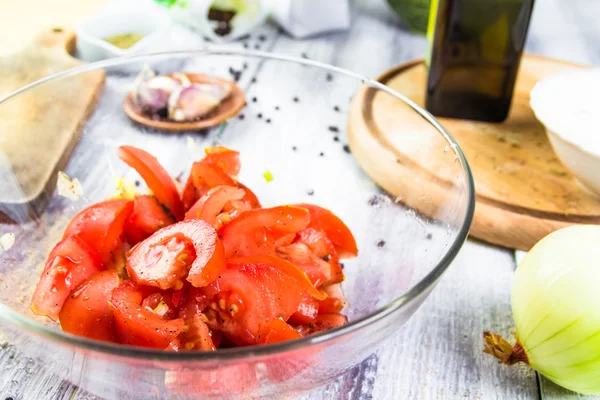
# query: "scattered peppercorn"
[[336, 108], [268, 120], [241, 116], [254, 99], [294, 148], [304, 55], [259, 115], [137, 182], [329, 77], [310, 192], [253, 80], [235, 74], [322, 154], [277, 108], [429, 236], [381, 243], [262, 38], [245, 45], [296, 99], [334, 129], [347, 148], [336, 139], [373, 200], [245, 65]]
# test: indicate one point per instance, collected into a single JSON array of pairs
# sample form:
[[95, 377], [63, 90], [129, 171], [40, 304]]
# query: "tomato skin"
[[138, 326], [209, 260], [335, 229], [275, 331], [253, 232], [147, 217], [209, 206], [306, 312], [86, 312], [203, 177], [224, 158], [317, 270], [331, 305], [252, 290], [156, 177], [70, 262], [101, 226]]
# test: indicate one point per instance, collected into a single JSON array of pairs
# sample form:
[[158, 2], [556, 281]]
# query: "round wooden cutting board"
[[523, 190]]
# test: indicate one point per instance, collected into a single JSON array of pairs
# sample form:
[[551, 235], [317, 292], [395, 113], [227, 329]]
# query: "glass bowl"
[[294, 126]]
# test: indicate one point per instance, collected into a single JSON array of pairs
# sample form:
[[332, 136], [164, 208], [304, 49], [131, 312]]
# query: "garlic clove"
[[152, 95], [195, 101]]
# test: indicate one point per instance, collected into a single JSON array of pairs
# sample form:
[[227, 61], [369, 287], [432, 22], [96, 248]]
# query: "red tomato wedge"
[[250, 197], [203, 177], [70, 262], [164, 259], [306, 312], [323, 322], [138, 326], [197, 336], [101, 226], [147, 217], [253, 232], [86, 311], [253, 290], [212, 204], [224, 158], [334, 228], [275, 331], [318, 270], [155, 176]]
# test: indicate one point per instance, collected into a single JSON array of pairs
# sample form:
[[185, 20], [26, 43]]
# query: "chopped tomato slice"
[[197, 337], [330, 305], [155, 176], [203, 177], [101, 226], [317, 269], [209, 206], [224, 158], [161, 303], [306, 312], [252, 290], [147, 217], [70, 262], [138, 326], [86, 311], [323, 322], [250, 197], [275, 331], [165, 258], [335, 229], [253, 232]]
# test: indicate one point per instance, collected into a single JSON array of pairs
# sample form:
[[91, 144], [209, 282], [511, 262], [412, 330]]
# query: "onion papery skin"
[[556, 307]]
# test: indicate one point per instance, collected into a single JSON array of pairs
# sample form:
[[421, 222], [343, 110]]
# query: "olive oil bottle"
[[476, 48]]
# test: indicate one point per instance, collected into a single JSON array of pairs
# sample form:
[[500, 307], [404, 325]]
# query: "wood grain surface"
[[437, 354], [43, 126], [523, 190]]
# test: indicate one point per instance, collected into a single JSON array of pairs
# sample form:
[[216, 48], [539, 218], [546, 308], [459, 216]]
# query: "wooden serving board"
[[40, 127], [523, 190]]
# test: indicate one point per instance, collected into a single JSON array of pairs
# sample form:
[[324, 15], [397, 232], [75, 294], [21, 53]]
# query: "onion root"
[[498, 347]]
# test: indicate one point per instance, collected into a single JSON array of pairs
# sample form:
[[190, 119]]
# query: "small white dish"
[[567, 104], [91, 33]]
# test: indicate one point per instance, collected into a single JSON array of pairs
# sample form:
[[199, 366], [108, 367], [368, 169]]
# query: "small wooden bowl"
[[230, 107]]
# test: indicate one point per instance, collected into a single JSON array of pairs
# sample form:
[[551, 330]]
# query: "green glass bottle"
[[475, 51]]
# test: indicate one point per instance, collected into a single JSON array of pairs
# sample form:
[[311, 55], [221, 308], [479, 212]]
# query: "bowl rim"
[[124, 351]]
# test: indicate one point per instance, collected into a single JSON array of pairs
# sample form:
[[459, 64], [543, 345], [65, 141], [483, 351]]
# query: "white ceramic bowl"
[[91, 33], [567, 104]]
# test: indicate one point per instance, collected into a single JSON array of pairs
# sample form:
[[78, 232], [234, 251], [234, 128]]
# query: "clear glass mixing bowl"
[[294, 126]]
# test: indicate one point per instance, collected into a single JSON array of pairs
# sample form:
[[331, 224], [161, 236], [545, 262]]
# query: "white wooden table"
[[438, 353]]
